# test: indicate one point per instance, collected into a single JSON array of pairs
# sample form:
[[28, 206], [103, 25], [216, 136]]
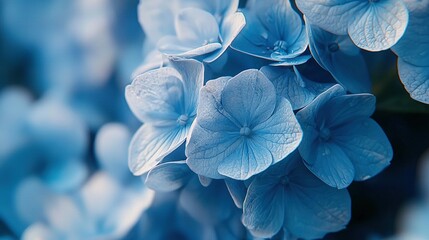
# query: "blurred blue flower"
[[338, 55], [341, 143], [288, 196], [413, 63], [242, 128], [165, 100], [102, 209], [273, 31], [372, 25]]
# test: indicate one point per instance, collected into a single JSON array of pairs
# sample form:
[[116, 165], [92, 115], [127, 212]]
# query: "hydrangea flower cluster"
[[262, 109]]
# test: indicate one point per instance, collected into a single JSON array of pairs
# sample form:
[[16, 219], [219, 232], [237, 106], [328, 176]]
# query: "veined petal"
[[151, 144], [196, 25], [331, 15], [230, 28], [263, 208], [289, 84], [206, 150], [249, 158], [366, 145], [192, 73], [168, 176], [415, 80], [281, 133], [156, 96], [379, 25], [249, 97]]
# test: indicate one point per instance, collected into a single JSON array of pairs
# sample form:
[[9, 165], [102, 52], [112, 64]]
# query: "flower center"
[[245, 131], [333, 47], [183, 120], [325, 134]]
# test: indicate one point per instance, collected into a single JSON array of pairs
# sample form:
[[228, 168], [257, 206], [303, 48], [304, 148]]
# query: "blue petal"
[[175, 47], [313, 208], [150, 145], [249, 97], [169, 176], [330, 163], [207, 149], [291, 85], [237, 190], [231, 27], [415, 80], [264, 207], [413, 46], [193, 24], [292, 61], [281, 133], [192, 73], [249, 158], [156, 96], [341, 58], [331, 15], [373, 26], [366, 145], [382, 23]]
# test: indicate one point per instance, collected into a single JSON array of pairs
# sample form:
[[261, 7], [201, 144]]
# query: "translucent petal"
[[231, 27], [169, 176], [415, 80], [193, 24], [379, 25], [192, 73], [338, 55], [331, 15], [156, 96], [366, 145], [150, 145], [249, 97]]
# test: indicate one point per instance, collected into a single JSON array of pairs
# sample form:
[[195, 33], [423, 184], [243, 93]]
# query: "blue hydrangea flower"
[[165, 100], [413, 63], [242, 128], [102, 209], [338, 55], [372, 25], [158, 20], [289, 196], [290, 84], [273, 31], [341, 143]]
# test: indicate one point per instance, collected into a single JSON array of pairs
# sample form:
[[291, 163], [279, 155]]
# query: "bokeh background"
[[63, 69]]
